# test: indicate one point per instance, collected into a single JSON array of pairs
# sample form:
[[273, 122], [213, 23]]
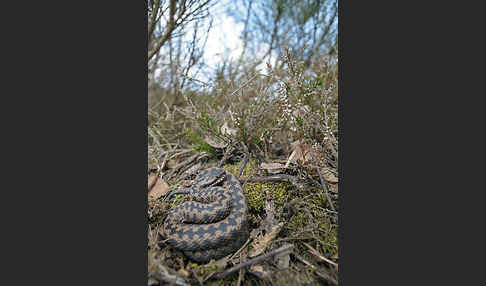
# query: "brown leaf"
[[259, 271], [161, 188], [261, 242], [151, 178], [296, 155], [328, 175], [302, 153], [334, 188], [171, 163], [307, 153]]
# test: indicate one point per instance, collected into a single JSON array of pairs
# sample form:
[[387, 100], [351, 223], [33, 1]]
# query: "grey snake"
[[214, 223]]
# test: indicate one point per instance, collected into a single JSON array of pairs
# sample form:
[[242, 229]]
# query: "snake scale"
[[214, 223]]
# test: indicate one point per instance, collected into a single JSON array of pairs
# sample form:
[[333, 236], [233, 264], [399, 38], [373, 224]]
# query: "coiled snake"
[[214, 223]]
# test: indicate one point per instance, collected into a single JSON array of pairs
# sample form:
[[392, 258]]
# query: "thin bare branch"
[[282, 250]]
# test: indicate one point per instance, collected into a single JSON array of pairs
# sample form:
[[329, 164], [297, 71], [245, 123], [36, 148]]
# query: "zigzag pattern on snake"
[[214, 223]]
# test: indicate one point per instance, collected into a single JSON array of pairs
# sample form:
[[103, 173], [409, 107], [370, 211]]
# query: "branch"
[[153, 20], [284, 249], [168, 32]]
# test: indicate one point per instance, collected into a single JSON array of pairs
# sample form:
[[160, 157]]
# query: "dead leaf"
[[328, 175], [296, 154], [273, 168], [334, 188], [307, 153], [261, 242], [259, 271], [161, 188], [151, 178], [302, 153], [171, 163], [226, 130]]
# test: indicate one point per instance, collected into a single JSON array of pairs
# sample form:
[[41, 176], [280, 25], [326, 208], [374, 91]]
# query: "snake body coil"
[[214, 223]]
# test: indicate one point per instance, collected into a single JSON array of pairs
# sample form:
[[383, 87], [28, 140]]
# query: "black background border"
[[76, 143]]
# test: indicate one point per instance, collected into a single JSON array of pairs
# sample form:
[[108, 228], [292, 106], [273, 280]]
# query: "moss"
[[249, 170], [312, 212], [201, 272], [256, 193]]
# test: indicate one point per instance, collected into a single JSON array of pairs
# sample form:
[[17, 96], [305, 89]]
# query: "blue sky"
[[223, 39]]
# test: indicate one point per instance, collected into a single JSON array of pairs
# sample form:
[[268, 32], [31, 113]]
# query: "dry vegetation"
[[277, 130], [285, 123]]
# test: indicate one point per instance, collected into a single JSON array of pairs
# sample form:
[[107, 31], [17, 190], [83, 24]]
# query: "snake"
[[214, 223]]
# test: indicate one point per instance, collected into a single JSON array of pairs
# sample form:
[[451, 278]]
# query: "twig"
[[193, 163], [293, 238], [243, 255], [230, 259], [164, 275], [245, 84], [326, 277], [240, 276], [225, 156], [179, 166], [322, 275], [162, 166], [244, 162], [196, 167], [154, 236], [282, 250], [181, 152], [298, 200], [323, 185], [241, 248], [318, 255], [274, 178], [301, 259]]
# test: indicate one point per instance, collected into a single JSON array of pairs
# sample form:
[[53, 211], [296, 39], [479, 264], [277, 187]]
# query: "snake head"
[[209, 177], [178, 192]]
